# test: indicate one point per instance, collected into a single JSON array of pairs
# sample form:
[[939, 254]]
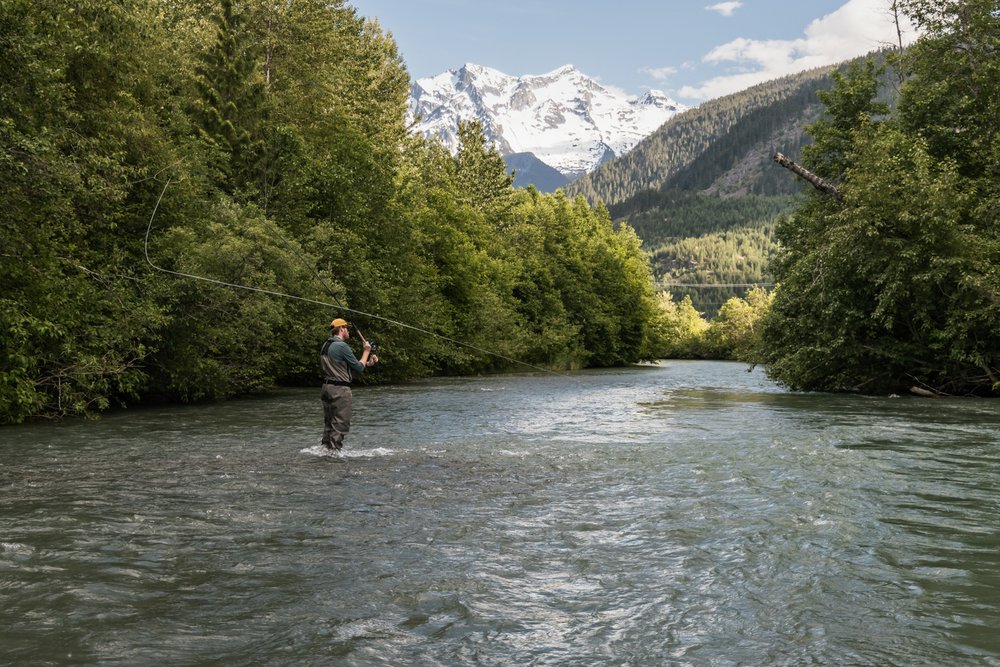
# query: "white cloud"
[[660, 73], [858, 27], [725, 8]]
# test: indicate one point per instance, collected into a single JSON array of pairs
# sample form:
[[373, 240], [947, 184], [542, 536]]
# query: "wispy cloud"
[[660, 73], [858, 27], [725, 8]]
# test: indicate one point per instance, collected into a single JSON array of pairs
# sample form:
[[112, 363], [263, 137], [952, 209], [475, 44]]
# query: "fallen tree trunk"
[[817, 182]]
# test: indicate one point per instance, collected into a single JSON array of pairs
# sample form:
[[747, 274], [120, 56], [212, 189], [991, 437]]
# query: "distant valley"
[[697, 184], [703, 192]]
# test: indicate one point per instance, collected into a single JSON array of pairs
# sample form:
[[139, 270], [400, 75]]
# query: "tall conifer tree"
[[230, 112]]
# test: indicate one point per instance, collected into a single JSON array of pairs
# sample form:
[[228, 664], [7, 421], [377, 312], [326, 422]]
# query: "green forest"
[[699, 239], [266, 146], [892, 283], [271, 142], [888, 285]]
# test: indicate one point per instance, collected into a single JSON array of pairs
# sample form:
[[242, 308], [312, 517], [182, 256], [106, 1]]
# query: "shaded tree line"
[[669, 216]]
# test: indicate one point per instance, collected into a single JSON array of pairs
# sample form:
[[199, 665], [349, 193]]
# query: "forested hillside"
[[270, 139], [711, 219], [696, 240], [764, 114], [712, 192]]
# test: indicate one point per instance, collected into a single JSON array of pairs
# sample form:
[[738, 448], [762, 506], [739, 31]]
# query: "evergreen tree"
[[482, 173], [230, 111]]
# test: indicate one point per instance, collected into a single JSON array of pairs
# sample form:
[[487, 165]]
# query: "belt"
[[336, 383]]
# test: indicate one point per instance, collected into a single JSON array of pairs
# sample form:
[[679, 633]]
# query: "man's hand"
[[372, 360], [368, 346]]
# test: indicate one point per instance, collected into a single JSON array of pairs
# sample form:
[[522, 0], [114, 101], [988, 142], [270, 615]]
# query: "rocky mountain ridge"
[[563, 120]]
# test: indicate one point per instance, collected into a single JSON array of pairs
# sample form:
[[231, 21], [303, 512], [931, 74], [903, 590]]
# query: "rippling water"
[[690, 513]]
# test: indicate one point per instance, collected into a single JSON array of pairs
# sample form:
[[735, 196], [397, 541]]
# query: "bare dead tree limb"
[[817, 182], [896, 11]]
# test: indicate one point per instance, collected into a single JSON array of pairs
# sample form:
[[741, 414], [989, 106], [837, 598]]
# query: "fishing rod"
[[362, 313]]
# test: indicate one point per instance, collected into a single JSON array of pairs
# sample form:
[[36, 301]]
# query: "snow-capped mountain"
[[565, 119]]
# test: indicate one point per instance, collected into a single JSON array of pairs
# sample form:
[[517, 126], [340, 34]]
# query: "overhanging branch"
[[817, 182]]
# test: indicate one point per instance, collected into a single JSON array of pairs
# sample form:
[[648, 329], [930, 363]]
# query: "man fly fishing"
[[339, 367]]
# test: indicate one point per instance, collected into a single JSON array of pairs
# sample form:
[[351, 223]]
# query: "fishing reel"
[[377, 366]]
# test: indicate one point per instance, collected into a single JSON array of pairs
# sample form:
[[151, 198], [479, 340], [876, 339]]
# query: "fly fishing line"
[[362, 313]]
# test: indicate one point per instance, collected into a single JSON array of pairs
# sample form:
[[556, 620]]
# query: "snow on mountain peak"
[[566, 119], [657, 98]]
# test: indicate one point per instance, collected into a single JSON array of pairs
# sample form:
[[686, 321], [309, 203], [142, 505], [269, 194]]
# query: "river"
[[687, 513]]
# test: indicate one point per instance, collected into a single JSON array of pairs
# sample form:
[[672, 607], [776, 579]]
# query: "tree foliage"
[[680, 331], [735, 332], [896, 286], [276, 135]]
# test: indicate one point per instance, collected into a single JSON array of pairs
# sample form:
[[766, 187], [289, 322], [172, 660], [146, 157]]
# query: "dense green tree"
[[894, 285], [221, 341], [482, 174], [852, 103], [679, 331], [549, 334], [230, 112], [271, 141], [735, 332], [622, 279], [81, 140]]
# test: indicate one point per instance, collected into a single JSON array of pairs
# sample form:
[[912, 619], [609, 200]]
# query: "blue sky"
[[693, 50]]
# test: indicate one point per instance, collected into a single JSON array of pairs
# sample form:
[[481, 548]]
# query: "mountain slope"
[[703, 192], [529, 170], [564, 119], [744, 121]]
